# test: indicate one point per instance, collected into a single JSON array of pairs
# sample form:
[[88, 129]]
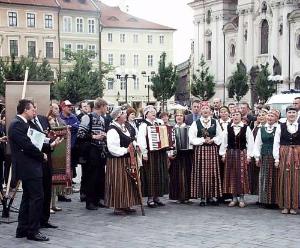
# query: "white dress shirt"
[[258, 142], [237, 129], [291, 128], [113, 141], [206, 123]]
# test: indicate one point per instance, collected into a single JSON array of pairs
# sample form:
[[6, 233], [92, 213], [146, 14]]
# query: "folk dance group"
[[225, 160]]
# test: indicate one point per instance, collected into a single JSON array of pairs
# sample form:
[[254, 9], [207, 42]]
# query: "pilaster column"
[[240, 41]]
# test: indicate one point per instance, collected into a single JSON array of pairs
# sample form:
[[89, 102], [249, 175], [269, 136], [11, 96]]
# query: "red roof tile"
[[81, 5], [47, 3], [113, 17]]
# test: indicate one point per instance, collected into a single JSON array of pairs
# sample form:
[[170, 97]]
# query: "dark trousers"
[[74, 161], [31, 206], [1, 174], [47, 184], [95, 185], [84, 178]]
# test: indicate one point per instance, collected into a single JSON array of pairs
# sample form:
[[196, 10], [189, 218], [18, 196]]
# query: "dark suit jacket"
[[27, 159], [189, 119]]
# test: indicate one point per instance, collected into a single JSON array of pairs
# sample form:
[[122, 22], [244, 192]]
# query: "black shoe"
[[91, 206], [100, 205], [202, 204], [62, 198], [20, 235], [38, 237], [151, 204], [48, 225], [159, 203], [82, 197]]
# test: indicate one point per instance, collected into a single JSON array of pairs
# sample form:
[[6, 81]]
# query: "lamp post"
[[125, 77], [149, 77]]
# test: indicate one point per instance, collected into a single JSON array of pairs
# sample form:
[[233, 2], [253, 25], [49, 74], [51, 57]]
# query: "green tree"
[[264, 87], [203, 85], [12, 70], [83, 81], [238, 83], [164, 83]]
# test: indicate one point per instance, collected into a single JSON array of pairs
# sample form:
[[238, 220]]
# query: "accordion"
[[182, 138], [160, 137]]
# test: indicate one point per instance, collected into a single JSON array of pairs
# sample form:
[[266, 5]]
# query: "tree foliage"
[[203, 85], [164, 83], [83, 81], [14, 70], [264, 87], [238, 82]]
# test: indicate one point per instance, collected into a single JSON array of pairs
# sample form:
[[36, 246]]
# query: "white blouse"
[[141, 138], [291, 128], [237, 129], [113, 141], [198, 141], [258, 142]]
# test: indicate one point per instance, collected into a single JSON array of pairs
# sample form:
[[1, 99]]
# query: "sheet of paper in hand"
[[37, 138]]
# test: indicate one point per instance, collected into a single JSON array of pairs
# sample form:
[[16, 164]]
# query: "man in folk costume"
[[263, 153], [286, 152], [236, 151], [154, 174], [180, 166], [205, 135], [120, 191]]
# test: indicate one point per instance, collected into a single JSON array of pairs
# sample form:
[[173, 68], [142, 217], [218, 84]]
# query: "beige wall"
[[23, 34]]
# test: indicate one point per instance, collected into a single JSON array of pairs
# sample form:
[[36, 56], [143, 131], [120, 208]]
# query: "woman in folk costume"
[[253, 168], [154, 173], [205, 135], [120, 191], [131, 124], [180, 167], [224, 117], [236, 151], [286, 152], [263, 153]]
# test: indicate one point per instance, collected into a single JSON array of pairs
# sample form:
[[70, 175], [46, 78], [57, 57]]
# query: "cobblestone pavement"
[[174, 225]]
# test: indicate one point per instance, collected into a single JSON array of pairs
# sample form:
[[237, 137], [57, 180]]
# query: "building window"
[[122, 59], [264, 37], [149, 39], [12, 19], [79, 47], [161, 39], [13, 47], [92, 49], [208, 55], [297, 83], [67, 24], [49, 50], [298, 42], [79, 25], [110, 59], [110, 83], [31, 49], [136, 83], [122, 38], [48, 21], [135, 38], [91, 24], [122, 83], [30, 20], [232, 50], [68, 49], [109, 37], [135, 60], [150, 60]]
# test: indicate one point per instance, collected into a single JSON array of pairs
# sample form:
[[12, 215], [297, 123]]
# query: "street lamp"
[[148, 84], [125, 77]]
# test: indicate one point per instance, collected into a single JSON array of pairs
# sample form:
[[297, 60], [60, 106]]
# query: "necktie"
[[37, 124]]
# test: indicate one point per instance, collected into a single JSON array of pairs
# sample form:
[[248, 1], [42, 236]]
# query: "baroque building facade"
[[253, 31]]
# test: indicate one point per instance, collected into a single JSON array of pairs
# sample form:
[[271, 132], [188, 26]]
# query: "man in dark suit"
[[41, 124], [28, 161], [195, 115]]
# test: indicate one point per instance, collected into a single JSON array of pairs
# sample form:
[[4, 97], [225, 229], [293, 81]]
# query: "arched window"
[[232, 50], [297, 83], [298, 42], [264, 39]]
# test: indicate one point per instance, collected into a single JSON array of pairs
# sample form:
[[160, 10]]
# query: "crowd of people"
[[231, 152]]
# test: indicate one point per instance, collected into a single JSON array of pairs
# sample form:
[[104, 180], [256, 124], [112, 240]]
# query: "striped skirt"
[[289, 176], [268, 180], [180, 176], [154, 174], [120, 191], [205, 178], [236, 179]]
